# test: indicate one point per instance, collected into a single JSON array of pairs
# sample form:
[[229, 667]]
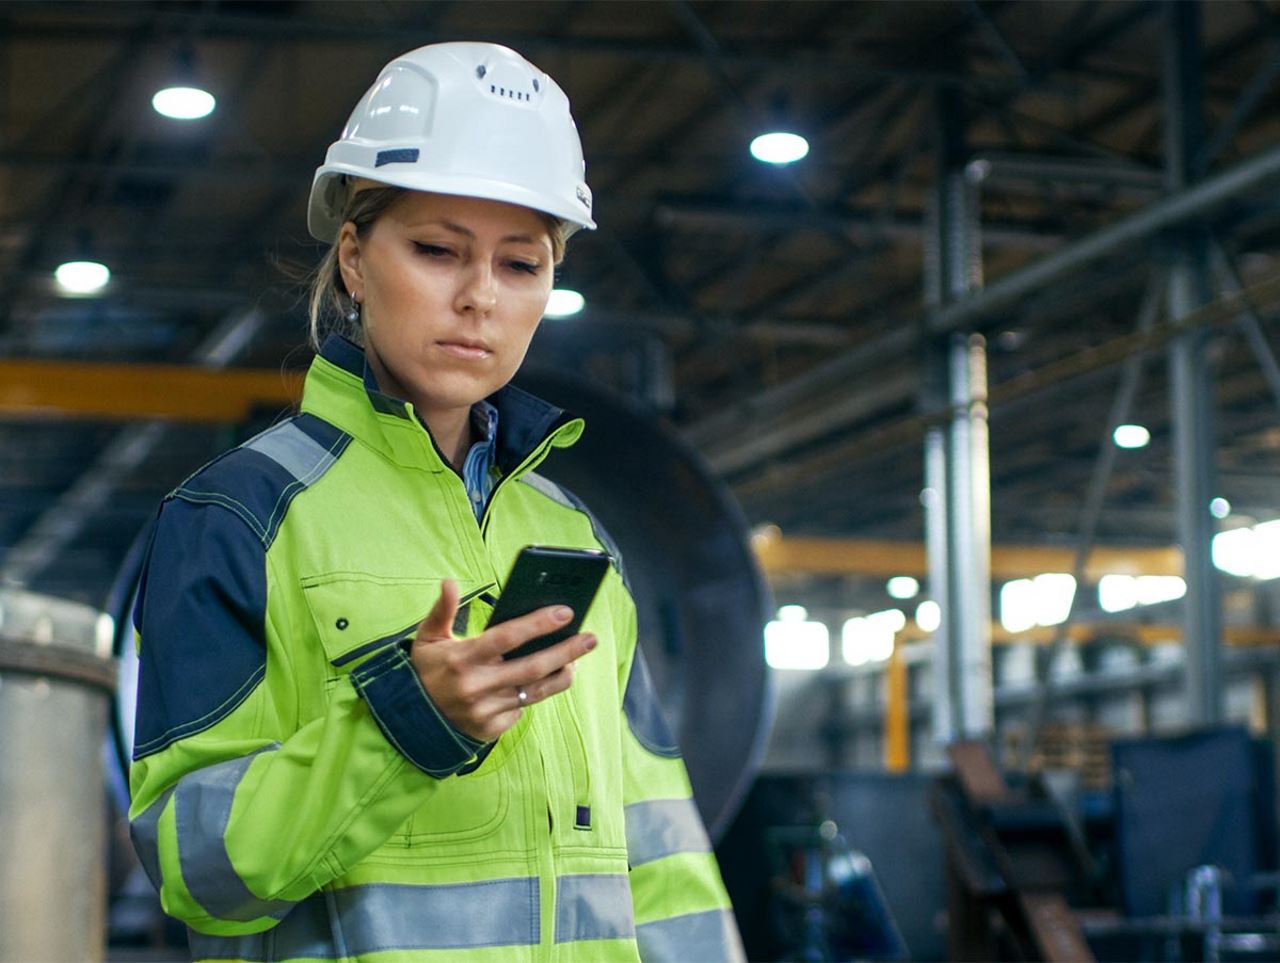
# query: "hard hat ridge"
[[473, 119]]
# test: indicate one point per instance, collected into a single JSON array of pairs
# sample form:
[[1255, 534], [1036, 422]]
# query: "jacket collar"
[[341, 388]]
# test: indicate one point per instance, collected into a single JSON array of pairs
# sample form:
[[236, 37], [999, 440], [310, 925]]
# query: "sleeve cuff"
[[403, 710]]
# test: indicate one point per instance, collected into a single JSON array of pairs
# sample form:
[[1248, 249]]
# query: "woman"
[[322, 772]]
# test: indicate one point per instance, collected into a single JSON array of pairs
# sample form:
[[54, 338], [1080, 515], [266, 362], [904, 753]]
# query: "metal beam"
[[57, 526], [858, 223], [957, 449], [344, 31], [781, 556], [1190, 377], [982, 307], [1005, 167], [39, 389]]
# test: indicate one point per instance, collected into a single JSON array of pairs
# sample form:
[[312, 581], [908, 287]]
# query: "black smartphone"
[[544, 575]]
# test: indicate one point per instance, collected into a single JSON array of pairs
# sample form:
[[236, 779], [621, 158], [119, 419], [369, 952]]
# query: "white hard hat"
[[473, 119]]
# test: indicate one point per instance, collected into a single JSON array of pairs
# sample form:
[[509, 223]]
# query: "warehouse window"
[[1043, 600], [793, 642], [869, 638]]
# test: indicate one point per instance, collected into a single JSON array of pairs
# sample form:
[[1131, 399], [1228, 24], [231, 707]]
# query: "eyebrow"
[[468, 233]]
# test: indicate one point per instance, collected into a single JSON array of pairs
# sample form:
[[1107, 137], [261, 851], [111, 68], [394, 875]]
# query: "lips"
[[465, 349]]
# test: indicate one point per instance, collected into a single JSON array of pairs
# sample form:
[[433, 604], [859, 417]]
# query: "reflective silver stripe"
[[661, 827], [145, 833], [593, 907], [202, 809], [393, 916], [304, 933], [293, 450], [708, 937]]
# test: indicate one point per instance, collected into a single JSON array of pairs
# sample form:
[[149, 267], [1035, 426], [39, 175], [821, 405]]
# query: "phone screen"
[[544, 575]]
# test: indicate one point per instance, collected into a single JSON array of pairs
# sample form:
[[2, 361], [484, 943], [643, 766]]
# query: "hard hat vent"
[[508, 81]]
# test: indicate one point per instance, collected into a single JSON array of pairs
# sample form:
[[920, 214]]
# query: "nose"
[[478, 292]]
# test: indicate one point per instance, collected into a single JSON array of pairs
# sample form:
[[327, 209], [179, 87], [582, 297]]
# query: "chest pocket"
[[355, 615]]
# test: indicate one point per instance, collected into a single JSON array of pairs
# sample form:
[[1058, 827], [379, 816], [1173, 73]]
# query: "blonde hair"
[[330, 302]]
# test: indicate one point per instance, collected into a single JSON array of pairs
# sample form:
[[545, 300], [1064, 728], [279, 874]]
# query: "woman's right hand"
[[469, 681]]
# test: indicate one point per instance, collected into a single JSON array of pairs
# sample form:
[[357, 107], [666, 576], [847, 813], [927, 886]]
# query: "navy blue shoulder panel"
[[200, 612], [258, 480], [644, 711], [202, 597]]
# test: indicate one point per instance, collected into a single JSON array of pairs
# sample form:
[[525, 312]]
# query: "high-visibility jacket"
[[296, 794]]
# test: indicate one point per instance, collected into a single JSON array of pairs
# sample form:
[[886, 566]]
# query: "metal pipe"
[[998, 167], [957, 451], [1190, 379], [851, 366]]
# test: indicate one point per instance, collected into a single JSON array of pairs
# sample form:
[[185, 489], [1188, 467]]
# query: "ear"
[[349, 262]]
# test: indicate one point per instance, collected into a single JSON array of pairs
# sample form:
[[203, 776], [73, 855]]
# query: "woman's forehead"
[[473, 216]]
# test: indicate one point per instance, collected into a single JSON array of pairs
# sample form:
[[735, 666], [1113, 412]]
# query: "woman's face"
[[451, 291]]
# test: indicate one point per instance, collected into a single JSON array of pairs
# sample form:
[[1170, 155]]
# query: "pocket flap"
[[355, 613]]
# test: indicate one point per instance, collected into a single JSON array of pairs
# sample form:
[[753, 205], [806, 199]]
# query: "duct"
[[55, 677], [852, 366], [995, 167], [59, 524]]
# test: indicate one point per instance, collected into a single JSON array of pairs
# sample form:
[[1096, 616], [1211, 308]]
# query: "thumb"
[[439, 621]]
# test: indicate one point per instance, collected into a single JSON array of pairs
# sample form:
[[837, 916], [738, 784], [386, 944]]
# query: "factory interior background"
[[928, 352]]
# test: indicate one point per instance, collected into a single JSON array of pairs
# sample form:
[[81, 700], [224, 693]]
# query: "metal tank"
[[56, 678]]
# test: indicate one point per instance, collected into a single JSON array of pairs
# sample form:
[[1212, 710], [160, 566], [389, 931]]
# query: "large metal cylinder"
[[56, 676]]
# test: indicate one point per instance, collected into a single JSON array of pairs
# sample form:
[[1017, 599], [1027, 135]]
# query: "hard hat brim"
[[324, 213]]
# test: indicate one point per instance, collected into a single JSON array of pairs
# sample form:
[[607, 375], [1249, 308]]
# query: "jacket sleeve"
[[682, 910], [244, 804]]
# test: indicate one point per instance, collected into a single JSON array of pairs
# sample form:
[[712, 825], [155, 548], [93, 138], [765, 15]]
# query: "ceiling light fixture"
[[779, 148], [183, 103], [82, 277], [1131, 436], [902, 587]]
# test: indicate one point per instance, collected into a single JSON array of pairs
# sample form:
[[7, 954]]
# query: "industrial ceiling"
[[779, 317]]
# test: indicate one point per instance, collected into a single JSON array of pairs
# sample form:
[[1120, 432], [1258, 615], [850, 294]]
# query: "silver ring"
[[522, 697]]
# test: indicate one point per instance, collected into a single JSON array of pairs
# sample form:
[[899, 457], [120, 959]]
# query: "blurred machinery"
[[56, 677]]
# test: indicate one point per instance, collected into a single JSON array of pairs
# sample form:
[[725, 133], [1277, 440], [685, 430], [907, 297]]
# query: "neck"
[[451, 427], [452, 433]]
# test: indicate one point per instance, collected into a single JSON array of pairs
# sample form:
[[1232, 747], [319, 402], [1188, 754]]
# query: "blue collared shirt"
[[479, 469]]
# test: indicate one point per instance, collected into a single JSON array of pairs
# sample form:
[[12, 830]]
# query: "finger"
[[544, 688], [509, 635], [530, 669], [439, 621]]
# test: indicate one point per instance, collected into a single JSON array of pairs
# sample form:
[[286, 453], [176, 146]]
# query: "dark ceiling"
[[777, 316]]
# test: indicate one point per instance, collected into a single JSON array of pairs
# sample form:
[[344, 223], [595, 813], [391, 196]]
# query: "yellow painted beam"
[[140, 391], [897, 719], [875, 557]]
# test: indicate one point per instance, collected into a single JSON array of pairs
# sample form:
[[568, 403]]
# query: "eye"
[[431, 250], [526, 267]]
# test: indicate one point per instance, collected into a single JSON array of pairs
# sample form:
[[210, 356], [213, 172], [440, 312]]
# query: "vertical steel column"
[[1190, 383], [957, 472]]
